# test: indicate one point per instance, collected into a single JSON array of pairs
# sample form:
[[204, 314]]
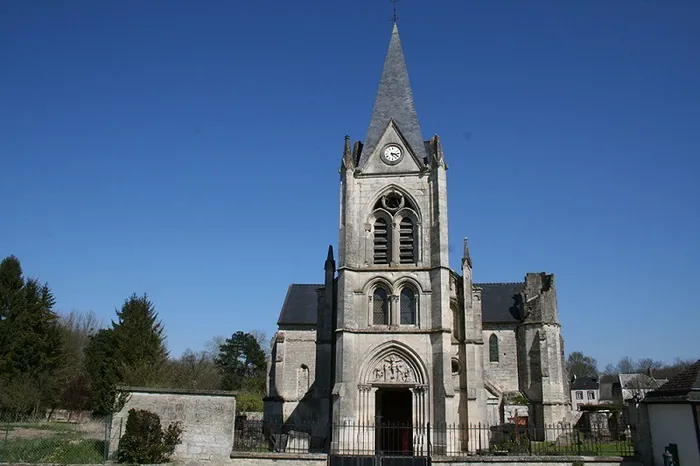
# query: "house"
[[584, 391], [621, 388], [674, 417], [635, 386]]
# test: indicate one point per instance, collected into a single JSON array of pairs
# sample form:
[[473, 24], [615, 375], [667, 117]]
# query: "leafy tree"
[[262, 340], [249, 401], [140, 342], [627, 365], [580, 365], [30, 340], [194, 370], [76, 330], [242, 363]]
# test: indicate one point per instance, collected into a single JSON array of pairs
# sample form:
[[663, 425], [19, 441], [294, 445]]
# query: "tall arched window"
[[380, 307], [382, 244], [493, 348], [406, 243], [408, 307]]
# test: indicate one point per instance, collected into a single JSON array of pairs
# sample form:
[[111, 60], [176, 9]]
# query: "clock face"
[[392, 154]]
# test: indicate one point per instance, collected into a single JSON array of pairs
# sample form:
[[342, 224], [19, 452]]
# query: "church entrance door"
[[394, 436]]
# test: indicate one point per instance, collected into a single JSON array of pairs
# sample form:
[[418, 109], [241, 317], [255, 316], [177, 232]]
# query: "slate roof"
[[499, 302], [585, 383], [394, 100], [684, 386], [639, 381], [300, 306]]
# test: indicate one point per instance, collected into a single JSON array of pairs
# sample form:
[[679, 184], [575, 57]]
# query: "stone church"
[[393, 334]]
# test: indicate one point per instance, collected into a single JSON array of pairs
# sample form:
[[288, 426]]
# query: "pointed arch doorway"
[[393, 400]]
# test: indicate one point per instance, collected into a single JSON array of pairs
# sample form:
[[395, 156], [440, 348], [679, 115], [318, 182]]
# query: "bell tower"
[[393, 326]]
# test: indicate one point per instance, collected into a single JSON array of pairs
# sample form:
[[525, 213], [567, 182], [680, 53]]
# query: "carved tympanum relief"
[[393, 369]]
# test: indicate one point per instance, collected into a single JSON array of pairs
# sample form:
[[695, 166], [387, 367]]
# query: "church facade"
[[393, 334]]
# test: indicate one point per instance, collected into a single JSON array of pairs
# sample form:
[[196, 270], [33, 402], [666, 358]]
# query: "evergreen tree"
[[31, 347], [241, 361], [102, 366], [139, 342]]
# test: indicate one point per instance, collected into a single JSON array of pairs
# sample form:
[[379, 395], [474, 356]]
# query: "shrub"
[[145, 442]]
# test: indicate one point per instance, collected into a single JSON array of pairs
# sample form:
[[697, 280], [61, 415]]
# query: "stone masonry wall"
[[207, 419], [504, 373]]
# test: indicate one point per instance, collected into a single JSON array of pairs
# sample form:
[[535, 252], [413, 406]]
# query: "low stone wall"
[[536, 461], [284, 459], [207, 418], [277, 459]]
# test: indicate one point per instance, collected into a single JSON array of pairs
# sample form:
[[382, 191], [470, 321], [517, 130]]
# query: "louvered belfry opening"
[[382, 246], [406, 245], [380, 302], [408, 307]]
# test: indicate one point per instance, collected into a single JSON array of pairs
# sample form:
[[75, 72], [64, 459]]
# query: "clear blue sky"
[[189, 150]]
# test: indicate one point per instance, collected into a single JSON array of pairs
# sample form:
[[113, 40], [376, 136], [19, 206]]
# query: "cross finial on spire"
[[396, 14]]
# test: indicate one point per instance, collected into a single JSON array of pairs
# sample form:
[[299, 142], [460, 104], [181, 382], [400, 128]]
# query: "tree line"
[[71, 361], [580, 365]]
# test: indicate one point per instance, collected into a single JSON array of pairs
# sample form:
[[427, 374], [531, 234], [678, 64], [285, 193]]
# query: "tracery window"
[[493, 348], [394, 230]]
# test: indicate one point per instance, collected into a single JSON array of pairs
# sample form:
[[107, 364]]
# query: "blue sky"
[[189, 150]]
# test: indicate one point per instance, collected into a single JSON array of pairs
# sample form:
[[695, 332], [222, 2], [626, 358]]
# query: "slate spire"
[[394, 101]]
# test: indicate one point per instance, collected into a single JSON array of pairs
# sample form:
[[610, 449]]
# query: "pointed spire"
[[394, 101], [348, 160], [466, 257], [330, 253]]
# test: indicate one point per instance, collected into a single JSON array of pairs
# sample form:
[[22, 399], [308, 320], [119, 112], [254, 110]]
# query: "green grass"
[[59, 443], [52, 450], [586, 449]]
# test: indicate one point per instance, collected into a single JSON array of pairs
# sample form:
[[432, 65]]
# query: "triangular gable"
[[410, 162]]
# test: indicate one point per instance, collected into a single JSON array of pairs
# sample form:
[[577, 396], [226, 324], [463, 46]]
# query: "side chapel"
[[393, 334]]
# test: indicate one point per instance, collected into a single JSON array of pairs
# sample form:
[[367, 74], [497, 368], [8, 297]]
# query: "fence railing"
[[356, 439], [38, 440]]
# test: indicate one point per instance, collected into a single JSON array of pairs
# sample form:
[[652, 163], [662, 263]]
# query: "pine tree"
[[241, 361], [31, 347], [139, 342], [102, 366]]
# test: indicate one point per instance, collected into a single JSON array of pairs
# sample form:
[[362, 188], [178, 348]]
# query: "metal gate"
[[378, 460], [390, 445]]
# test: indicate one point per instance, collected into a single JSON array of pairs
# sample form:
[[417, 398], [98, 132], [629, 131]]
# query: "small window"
[[579, 395], [455, 366], [408, 307], [382, 247], [406, 246], [493, 348], [591, 395], [380, 303]]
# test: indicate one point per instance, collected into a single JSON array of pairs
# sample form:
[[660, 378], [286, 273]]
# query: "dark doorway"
[[394, 418]]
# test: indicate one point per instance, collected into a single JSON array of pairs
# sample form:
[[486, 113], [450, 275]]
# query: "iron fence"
[[386, 439], [36, 439]]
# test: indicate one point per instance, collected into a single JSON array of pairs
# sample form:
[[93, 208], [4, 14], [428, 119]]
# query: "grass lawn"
[[46, 442]]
